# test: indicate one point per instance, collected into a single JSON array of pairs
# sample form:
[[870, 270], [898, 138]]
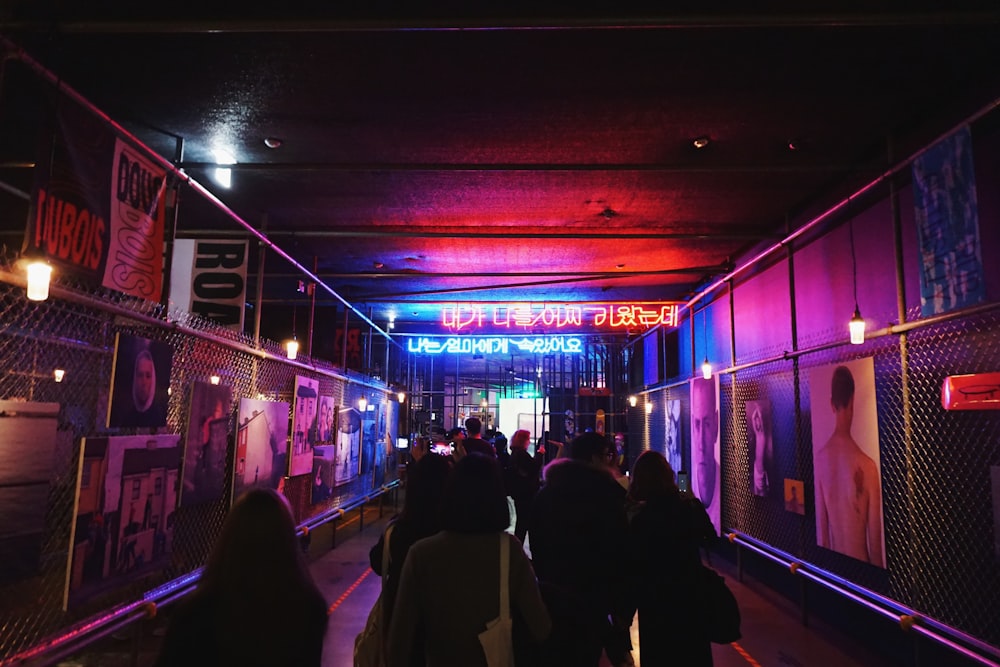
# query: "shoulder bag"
[[497, 639], [369, 645], [721, 611]]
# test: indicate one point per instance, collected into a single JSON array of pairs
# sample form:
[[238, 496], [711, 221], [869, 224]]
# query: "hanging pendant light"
[[706, 369], [292, 348], [857, 327]]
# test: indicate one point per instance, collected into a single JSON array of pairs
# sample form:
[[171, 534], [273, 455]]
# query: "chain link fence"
[[74, 330], [935, 464]]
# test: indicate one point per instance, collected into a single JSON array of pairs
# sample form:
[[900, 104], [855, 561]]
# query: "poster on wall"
[[123, 523], [947, 217], [795, 496], [207, 441], [846, 461], [261, 445], [208, 277], [347, 450], [304, 425], [28, 436], [140, 380], [327, 419], [673, 435], [97, 207], [705, 453], [760, 447]]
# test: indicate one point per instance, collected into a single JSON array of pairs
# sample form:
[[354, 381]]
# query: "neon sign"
[[639, 315], [495, 344]]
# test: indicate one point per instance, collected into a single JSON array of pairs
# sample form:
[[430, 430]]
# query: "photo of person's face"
[[674, 434], [144, 381], [705, 433]]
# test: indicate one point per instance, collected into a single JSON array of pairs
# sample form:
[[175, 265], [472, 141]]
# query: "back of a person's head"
[[652, 477], [520, 439], [473, 426], [841, 387], [475, 500], [426, 481], [257, 547], [588, 445]]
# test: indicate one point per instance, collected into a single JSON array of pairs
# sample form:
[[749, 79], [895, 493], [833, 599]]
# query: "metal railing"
[[909, 620]]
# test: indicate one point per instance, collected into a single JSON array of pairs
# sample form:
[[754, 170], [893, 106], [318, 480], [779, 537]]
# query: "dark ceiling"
[[534, 156]]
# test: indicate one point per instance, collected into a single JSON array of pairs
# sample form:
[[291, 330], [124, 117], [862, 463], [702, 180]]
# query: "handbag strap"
[[504, 576], [385, 552]]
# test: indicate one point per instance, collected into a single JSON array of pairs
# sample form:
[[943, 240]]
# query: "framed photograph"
[[140, 380], [327, 420], [347, 453], [673, 434], [305, 427], [795, 496], [261, 445], [760, 446], [846, 472], [705, 445], [124, 518], [207, 443]]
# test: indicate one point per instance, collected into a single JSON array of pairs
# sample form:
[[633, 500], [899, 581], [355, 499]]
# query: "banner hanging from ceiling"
[[97, 207]]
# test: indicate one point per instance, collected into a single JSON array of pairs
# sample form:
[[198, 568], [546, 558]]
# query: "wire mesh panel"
[[75, 332], [934, 468]]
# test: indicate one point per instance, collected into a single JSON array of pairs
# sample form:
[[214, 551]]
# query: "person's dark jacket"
[[473, 444], [201, 634], [665, 536], [577, 533], [522, 478]]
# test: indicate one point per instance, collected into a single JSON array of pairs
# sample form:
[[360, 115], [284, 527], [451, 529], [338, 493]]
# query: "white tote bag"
[[497, 639]]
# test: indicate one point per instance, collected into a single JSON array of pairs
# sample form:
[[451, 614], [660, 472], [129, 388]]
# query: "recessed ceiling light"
[[379, 265], [619, 266], [272, 142], [793, 145], [701, 142]]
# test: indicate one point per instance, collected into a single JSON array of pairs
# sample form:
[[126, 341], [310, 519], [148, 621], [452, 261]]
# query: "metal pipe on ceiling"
[[726, 235], [620, 21], [475, 167]]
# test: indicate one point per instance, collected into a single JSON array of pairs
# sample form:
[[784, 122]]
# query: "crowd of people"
[[589, 548]]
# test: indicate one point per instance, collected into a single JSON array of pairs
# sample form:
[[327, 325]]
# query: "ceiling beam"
[[726, 235]]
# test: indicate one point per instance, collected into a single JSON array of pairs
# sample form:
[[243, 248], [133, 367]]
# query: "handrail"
[[907, 618], [86, 632]]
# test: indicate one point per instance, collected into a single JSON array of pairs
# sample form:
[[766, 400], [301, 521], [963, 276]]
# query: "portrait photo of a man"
[[140, 380], [705, 445], [846, 460]]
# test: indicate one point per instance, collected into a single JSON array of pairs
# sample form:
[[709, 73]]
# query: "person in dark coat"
[[475, 442], [421, 517], [665, 536], [522, 477], [578, 525], [256, 604]]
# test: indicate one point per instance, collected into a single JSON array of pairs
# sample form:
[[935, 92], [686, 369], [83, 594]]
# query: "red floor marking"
[[350, 521], [746, 656], [350, 590]]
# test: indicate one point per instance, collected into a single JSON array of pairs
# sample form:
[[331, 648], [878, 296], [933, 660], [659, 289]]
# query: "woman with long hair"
[[421, 517], [665, 535], [256, 603]]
